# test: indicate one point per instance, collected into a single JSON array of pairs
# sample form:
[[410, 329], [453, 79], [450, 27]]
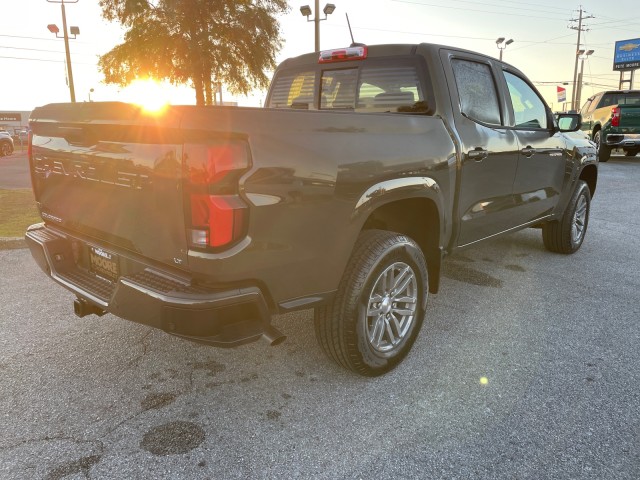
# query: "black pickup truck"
[[368, 165]]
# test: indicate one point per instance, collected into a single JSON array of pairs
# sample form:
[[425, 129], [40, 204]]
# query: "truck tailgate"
[[112, 174], [630, 117]]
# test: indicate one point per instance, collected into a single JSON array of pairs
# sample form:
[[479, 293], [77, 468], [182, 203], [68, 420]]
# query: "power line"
[[342, 27], [510, 2], [474, 10], [414, 33], [41, 50], [44, 60], [542, 41], [616, 21], [486, 5], [28, 38], [38, 38]]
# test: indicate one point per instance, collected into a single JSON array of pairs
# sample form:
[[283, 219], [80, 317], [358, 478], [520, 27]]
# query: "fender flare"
[[399, 189], [407, 188]]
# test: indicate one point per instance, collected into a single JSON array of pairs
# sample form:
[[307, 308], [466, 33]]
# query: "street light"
[[582, 55], [75, 31], [328, 9], [501, 44]]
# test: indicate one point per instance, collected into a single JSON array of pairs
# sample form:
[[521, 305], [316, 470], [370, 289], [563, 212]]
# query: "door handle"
[[528, 151], [477, 154]]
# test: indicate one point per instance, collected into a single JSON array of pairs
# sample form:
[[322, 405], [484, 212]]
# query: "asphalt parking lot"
[[14, 170], [555, 339]]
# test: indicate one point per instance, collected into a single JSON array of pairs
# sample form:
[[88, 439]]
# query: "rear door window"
[[477, 91]]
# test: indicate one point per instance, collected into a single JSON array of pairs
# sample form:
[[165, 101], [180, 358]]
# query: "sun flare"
[[150, 94]]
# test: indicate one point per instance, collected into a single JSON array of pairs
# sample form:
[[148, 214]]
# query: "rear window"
[[293, 90], [610, 99], [367, 89]]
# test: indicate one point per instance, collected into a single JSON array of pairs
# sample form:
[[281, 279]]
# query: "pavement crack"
[[144, 345]]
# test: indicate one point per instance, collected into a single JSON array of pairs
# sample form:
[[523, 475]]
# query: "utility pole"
[[575, 69]]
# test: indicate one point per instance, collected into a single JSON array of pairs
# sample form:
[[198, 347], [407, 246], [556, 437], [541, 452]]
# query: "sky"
[[33, 72]]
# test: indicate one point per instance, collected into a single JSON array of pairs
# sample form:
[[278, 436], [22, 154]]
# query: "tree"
[[205, 42]]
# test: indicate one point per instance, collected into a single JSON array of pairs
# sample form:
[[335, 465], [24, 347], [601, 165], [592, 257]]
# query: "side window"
[[606, 101], [628, 99], [293, 90], [585, 107], [594, 104], [477, 90], [528, 107]]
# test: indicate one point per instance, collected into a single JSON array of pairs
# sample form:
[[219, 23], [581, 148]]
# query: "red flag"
[[562, 94]]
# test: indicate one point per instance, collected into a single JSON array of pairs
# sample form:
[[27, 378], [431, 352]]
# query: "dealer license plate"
[[104, 264]]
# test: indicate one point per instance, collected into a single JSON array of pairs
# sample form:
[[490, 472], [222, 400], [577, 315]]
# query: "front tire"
[[567, 234], [604, 152], [379, 309]]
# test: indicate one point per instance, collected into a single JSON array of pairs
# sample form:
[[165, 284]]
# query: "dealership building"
[[14, 122]]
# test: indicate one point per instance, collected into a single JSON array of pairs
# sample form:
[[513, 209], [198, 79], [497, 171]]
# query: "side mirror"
[[569, 122]]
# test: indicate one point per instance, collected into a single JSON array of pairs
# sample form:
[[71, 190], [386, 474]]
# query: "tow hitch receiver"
[[83, 308]]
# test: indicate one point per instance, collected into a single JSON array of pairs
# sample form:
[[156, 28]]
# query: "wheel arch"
[[418, 218], [590, 175]]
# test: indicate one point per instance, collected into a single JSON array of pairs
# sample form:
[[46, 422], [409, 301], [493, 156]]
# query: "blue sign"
[[627, 55]]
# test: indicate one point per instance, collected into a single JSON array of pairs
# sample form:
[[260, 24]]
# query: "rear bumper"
[[157, 298], [623, 140]]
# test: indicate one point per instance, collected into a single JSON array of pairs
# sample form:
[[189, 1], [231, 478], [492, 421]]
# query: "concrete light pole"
[[501, 44], [75, 31], [582, 55], [327, 10]]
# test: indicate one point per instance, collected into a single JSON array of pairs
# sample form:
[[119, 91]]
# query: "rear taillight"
[[216, 215], [615, 117], [29, 147]]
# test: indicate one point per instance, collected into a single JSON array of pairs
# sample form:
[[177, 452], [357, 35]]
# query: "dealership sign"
[[627, 55], [10, 117]]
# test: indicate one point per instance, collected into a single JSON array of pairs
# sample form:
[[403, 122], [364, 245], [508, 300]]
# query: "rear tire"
[[379, 308], [604, 152], [567, 234], [631, 153]]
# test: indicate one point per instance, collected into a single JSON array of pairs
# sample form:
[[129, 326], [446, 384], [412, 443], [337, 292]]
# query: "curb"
[[12, 243]]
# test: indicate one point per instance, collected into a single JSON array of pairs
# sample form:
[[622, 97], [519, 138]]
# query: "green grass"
[[17, 211]]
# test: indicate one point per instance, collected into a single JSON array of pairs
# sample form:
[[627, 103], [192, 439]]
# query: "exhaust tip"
[[273, 336]]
